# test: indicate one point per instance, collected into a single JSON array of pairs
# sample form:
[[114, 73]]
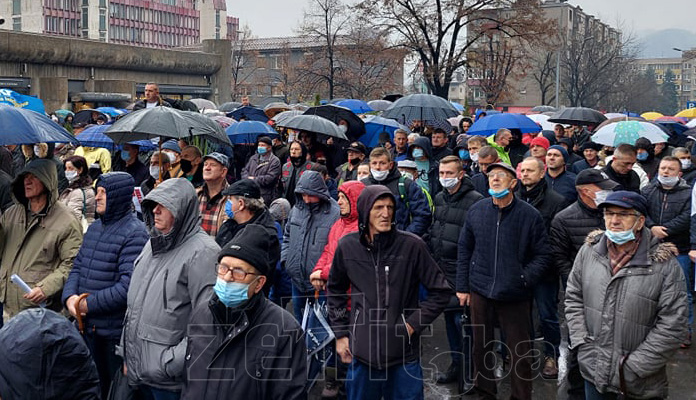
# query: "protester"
[[568, 145], [173, 151], [389, 366], [159, 172], [427, 176], [400, 150], [97, 286], [95, 155], [280, 150], [439, 149], [293, 169], [645, 157], [281, 288], [152, 98], [79, 196], [625, 304], [133, 165], [590, 151], [557, 177], [210, 196], [688, 169], [41, 238], [363, 170], [170, 277], [500, 141], [229, 331], [538, 148], [503, 254], [619, 168], [486, 156], [265, 168], [348, 171], [46, 151], [5, 191], [191, 165], [474, 144]]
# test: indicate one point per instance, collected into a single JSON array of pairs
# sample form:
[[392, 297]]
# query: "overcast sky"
[[268, 18]]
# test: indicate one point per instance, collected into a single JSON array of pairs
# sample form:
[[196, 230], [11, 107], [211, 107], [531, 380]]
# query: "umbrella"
[[490, 124], [93, 136], [14, 99], [375, 125], [488, 112], [229, 106], [62, 113], [578, 116], [281, 118], [204, 104], [615, 115], [84, 117], [628, 132], [336, 100], [379, 105], [299, 107], [691, 124], [541, 109], [112, 112], [542, 120], [334, 113], [249, 113], [651, 115], [421, 107], [678, 120], [318, 335], [458, 106], [356, 106], [274, 108], [454, 121], [249, 131], [223, 121], [688, 113], [612, 120], [23, 126], [316, 124], [393, 97], [165, 122]]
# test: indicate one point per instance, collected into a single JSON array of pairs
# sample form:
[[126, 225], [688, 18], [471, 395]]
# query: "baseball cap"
[[504, 166], [626, 199], [357, 147], [596, 177], [244, 187]]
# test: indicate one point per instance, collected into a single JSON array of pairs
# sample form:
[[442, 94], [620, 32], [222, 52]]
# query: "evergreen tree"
[[668, 91]]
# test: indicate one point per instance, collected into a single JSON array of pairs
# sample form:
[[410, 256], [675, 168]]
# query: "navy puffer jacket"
[[104, 264]]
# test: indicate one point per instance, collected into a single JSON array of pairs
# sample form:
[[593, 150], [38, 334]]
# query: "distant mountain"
[[659, 44]]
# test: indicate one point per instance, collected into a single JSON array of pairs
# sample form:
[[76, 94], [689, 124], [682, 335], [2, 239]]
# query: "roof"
[[291, 42]]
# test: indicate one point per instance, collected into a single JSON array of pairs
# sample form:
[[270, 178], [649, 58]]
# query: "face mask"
[[228, 209], [362, 176], [296, 160], [37, 151], [355, 161], [474, 157], [620, 237], [379, 175], [407, 175], [686, 163], [171, 155], [464, 154], [71, 176], [448, 183], [601, 195], [642, 156], [154, 172], [261, 150], [186, 166], [231, 294], [417, 153], [499, 195], [668, 181], [125, 156]]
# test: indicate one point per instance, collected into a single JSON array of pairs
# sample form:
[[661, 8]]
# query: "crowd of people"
[[173, 270]]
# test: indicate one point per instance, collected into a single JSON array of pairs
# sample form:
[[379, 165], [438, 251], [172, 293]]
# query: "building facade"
[[684, 70]]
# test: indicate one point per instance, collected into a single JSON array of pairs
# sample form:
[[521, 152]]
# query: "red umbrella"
[[671, 119]]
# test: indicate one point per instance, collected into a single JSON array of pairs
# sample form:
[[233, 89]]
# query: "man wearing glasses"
[[625, 304]]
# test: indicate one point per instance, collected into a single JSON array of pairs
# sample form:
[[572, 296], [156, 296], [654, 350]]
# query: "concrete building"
[[149, 23], [684, 70]]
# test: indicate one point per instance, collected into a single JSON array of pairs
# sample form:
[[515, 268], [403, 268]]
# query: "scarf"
[[618, 258]]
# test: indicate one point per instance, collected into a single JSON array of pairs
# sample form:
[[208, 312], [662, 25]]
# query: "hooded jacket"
[[670, 208], [43, 357], [639, 313], [432, 177], [290, 174], [384, 276], [307, 230], [104, 264], [345, 225], [40, 248], [172, 274], [502, 153]]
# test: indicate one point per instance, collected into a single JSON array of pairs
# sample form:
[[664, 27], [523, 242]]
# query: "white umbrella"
[[542, 120], [617, 133]]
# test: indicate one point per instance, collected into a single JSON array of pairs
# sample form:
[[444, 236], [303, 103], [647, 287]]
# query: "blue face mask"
[[261, 150], [417, 153], [499, 195], [125, 156], [231, 294], [642, 156], [228, 209], [620, 237], [464, 154]]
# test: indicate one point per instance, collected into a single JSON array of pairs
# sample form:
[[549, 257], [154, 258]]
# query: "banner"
[[15, 99]]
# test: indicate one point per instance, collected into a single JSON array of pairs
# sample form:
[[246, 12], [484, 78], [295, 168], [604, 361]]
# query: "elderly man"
[[486, 156], [625, 304], [503, 254], [170, 277], [41, 239], [619, 168], [191, 160], [264, 167], [348, 171], [172, 149], [210, 196], [229, 354], [500, 141], [152, 98], [400, 150], [558, 179], [159, 172]]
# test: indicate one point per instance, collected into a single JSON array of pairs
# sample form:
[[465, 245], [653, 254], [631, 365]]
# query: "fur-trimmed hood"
[[658, 251]]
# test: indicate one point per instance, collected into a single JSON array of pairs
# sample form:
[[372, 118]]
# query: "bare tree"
[[243, 61], [543, 67]]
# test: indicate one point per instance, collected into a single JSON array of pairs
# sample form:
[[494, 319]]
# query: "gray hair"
[[680, 150], [253, 205], [413, 136]]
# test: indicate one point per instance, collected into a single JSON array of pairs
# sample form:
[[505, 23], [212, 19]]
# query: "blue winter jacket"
[[104, 264]]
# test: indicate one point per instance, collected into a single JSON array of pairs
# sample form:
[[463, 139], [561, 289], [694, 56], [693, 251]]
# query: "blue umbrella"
[[248, 131], [490, 124], [488, 112], [15, 99], [458, 106], [112, 112], [23, 126], [249, 113], [374, 125], [356, 106], [93, 136]]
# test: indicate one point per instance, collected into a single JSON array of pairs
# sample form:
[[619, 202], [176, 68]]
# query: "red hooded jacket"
[[340, 228]]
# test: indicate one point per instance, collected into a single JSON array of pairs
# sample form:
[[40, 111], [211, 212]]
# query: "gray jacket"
[[307, 230], [266, 172], [639, 313], [173, 272]]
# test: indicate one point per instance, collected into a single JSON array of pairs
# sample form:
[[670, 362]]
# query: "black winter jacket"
[[670, 208], [503, 252], [563, 184], [547, 201], [480, 182], [569, 228], [629, 181]]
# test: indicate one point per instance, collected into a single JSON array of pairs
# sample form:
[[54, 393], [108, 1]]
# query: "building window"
[[274, 62], [102, 20], [275, 91], [260, 62], [17, 23], [16, 7]]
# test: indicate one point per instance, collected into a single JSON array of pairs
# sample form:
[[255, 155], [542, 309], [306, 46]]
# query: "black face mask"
[[355, 161], [296, 160], [186, 166]]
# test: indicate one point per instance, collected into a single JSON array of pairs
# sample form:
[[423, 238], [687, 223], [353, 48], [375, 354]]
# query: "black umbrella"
[[578, 116], [316, 124], [356, 126], [424, 107], [393, 97], [229, 106], [249, 113], [542, 109]]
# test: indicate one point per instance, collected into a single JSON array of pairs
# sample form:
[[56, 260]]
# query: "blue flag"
[[15, 99]]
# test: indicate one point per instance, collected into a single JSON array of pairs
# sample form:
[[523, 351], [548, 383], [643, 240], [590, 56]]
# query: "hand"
[[70, 304], [463, 299], [343, 350], [659, 231], [316, 281], [409, 329], [250, 177], [82, 306], [692, 255], [36, 295], [125, 369]]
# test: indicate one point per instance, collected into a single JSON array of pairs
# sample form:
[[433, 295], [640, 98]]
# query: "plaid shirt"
[[212, 209]]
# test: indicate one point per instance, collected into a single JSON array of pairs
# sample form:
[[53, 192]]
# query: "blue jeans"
[[546, 299], [685, 263], [299, 299], [152, 393], [402, 382]]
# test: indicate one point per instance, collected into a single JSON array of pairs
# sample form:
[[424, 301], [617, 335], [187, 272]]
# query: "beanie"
[[250, 244], [563, 151]]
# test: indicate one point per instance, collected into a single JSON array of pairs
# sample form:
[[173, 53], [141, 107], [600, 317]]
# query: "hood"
[[312, 183], [179, 197], [44, 357], [352, 190], [119, 194], [305, 151], [424, 143], [366, 200], [45, 170]]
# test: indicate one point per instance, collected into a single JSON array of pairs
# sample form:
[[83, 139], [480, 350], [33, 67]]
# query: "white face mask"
[[154, 172], [71, 176], [449, 183], [474, 157], [379, 175], [37, 151], [685, 163], [601, 195], [668, 181]]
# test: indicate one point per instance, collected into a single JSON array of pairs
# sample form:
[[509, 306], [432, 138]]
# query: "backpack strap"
[[84, 202]]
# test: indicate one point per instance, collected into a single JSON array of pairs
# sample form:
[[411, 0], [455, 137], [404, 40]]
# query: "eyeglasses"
[[238, 274], [621, 215], [498, 174]]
